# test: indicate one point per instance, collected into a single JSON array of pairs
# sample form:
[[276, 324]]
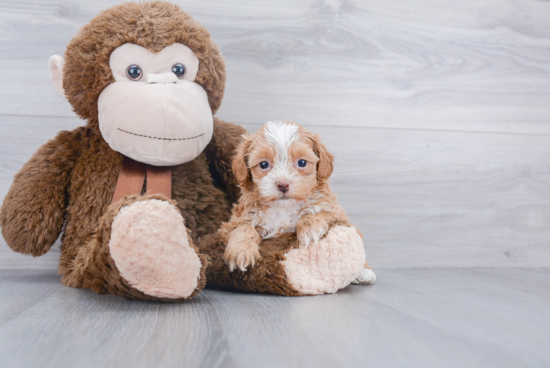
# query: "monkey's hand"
[[310, 229], [33, 211]]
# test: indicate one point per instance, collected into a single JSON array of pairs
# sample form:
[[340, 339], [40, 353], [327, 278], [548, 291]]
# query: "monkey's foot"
[[331, 265], [152, 251]]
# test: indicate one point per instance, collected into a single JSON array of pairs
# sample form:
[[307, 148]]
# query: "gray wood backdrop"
[[438, 111]]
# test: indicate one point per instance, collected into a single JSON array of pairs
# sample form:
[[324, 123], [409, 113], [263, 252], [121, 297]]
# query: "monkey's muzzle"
[[162, 121]]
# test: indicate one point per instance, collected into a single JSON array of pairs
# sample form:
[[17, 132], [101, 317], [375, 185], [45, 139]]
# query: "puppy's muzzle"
[[282, 186]]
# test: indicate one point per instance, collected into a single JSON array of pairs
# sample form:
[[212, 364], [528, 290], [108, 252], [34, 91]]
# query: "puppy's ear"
[[240, 167], [326, 159]]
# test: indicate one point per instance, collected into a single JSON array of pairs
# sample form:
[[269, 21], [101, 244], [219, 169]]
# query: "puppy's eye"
[[264, 165], [179, 70], [302, 163], [134, 72]]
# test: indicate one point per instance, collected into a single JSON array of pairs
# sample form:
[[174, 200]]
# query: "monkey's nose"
[[282, 186], [161, 78]]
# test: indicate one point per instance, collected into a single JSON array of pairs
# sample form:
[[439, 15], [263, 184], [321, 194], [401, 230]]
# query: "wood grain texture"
[[469, 66], [415, 318], [421, 198], [438, 114]]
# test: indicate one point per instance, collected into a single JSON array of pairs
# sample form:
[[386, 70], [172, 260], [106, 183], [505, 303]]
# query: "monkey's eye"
[[302, 163], [134, 72], [264, 165], [179, 70]]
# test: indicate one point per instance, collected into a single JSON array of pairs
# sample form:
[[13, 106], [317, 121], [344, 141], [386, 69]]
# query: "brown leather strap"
[[159, 180], [130, 179], [132, 175]]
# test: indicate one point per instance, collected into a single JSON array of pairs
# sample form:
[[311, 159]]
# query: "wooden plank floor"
[[414, 318], [438, 114]]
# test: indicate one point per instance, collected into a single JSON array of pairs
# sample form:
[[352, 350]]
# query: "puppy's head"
[[282, 161]]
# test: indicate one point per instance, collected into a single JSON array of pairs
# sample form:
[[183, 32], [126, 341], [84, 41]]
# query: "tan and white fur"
[[283, 171]]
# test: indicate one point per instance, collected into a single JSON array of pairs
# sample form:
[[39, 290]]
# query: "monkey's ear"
[[56, 74]]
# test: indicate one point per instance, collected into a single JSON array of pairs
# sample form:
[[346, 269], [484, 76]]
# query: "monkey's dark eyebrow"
[[162, 139]]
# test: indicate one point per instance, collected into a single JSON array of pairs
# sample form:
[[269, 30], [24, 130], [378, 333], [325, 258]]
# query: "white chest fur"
[[281, 217]]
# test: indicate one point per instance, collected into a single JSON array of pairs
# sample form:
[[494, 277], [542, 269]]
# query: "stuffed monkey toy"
[[140, 191]]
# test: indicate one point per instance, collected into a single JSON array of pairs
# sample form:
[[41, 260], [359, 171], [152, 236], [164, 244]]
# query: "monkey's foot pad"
[[150, 247], [331, 265]]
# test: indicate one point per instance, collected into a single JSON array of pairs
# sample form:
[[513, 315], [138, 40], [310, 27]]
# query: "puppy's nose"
[[161, 78], [282, 186]]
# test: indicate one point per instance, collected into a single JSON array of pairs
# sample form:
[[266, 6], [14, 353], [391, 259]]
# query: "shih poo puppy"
[[283, 170]]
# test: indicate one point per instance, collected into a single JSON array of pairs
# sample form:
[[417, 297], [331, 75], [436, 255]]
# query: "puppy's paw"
[[310, 230], [366, 277], [241, 254]]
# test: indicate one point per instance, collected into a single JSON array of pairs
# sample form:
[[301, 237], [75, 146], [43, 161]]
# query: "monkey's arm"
[[33, 211], [220, 151]]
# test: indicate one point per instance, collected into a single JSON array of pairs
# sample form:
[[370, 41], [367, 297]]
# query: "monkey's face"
[[148, 78], [154, 112]]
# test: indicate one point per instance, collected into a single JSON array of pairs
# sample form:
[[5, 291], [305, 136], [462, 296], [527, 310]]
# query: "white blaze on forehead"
[[281, 135]]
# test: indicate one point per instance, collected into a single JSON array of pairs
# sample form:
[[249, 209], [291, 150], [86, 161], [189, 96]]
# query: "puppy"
[[283, 172]]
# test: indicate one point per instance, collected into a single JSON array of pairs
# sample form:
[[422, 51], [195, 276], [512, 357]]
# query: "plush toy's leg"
[[141, 250], [266, 276], [331, 265], [287, 269]]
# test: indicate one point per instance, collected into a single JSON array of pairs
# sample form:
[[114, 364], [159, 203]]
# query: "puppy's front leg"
[[242, 248], [310, 229]]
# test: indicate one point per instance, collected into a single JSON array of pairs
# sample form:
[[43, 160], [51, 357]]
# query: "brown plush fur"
[[267, 276], [69, 183], [95, 269], [153, 25], [55, 183]]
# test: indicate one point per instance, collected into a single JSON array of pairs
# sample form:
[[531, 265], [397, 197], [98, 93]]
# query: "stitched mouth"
[[159, 138]]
